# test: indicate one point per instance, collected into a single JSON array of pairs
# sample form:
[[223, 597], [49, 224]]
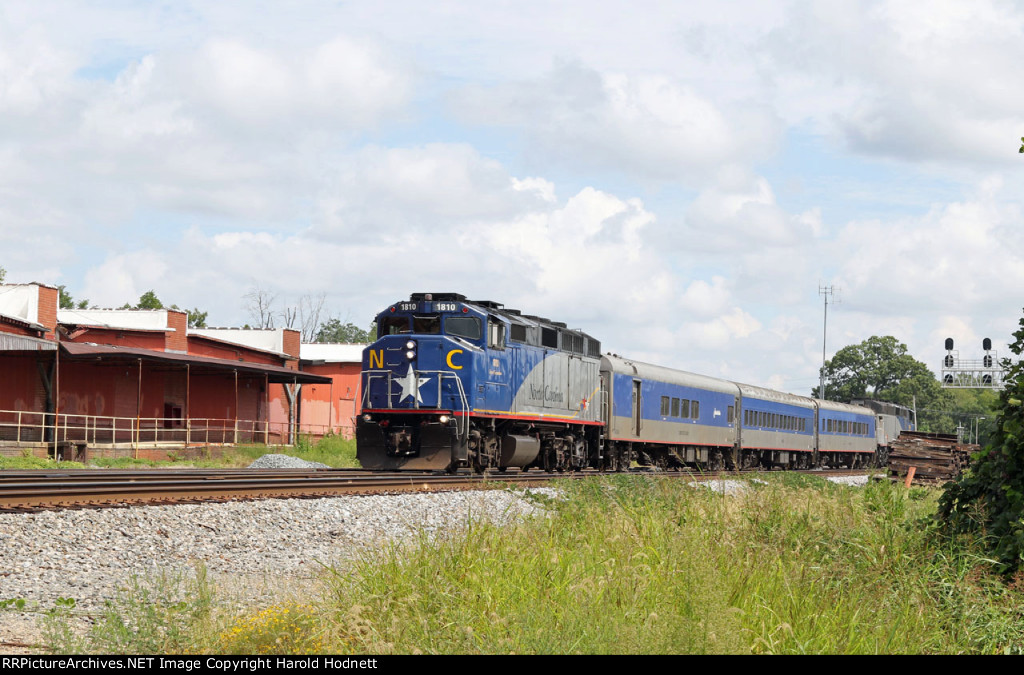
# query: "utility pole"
[[825, 291]]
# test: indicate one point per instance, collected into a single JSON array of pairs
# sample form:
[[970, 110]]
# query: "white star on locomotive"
[[411, 385]]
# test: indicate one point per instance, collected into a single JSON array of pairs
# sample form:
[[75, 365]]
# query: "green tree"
[[149, 300], [3, 274], [336, 331], [68, 302], [196, 319], [975, 410], [880, 368], [989, 498]]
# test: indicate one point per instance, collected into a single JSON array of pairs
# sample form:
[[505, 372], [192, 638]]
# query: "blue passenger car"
[[667, 418], [846, 434], [777, 429]]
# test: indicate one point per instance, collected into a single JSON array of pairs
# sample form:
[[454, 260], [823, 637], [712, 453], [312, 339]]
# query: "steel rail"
[[62, 492], [35, 490]]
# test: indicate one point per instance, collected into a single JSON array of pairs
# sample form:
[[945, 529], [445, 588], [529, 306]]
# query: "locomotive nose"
[[414, 371]]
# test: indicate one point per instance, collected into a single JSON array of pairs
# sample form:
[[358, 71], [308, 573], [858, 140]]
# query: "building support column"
[[236, 408], [138, 413], [292, 392], [47, 374], [56, 387], [188, 410]]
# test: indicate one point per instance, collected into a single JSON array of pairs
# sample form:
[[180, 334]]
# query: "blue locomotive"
[[452, 383]]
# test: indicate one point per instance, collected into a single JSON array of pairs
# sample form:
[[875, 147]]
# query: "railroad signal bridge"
[[983, 373]]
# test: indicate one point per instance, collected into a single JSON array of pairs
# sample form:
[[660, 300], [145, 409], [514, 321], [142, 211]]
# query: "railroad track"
[[48, 489]]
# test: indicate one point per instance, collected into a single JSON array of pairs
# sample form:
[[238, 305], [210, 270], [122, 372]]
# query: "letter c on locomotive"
[[449, 359]]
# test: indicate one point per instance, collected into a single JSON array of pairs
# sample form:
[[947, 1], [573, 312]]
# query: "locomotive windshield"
[[427, 324], [393, 325], [468, 327]]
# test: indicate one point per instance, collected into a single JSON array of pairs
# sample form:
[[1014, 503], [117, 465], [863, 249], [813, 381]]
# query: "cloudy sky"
[[677, 179]]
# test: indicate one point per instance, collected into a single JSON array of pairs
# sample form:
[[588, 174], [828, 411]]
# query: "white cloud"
[[341, 83], [379, 192], [653, 125], [959, 257], [124, 277], [909, 80], [740, 213]]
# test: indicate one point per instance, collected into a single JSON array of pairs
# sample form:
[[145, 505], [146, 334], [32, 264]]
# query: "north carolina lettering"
[[546, 393]]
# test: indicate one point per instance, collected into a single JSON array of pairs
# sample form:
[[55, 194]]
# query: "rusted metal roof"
[[276, 374]]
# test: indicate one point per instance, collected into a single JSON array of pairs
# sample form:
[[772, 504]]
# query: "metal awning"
[[275, 374], [10, 342]]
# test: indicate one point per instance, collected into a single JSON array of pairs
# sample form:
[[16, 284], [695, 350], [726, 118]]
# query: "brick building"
[[333, 407], [318, 408], [131, 381]]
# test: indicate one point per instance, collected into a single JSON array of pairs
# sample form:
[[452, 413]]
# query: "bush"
[[988, 500]]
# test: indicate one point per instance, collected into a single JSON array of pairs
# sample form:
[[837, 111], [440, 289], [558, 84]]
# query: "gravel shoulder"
[[254, 551]]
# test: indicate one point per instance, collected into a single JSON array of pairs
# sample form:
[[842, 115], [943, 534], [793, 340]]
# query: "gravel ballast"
[[262, 547]]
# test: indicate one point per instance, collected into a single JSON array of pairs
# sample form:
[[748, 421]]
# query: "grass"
[[333, 451], [635, 565], [22, 462]]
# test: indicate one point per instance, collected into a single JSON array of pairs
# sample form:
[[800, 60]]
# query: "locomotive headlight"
[[411, 344], [410, 355], [443, 419], [367, 417]]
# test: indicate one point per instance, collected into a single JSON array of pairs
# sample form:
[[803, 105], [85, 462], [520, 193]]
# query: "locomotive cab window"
[[429, 324], [463, 326], [393, 325], [496, 335]]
